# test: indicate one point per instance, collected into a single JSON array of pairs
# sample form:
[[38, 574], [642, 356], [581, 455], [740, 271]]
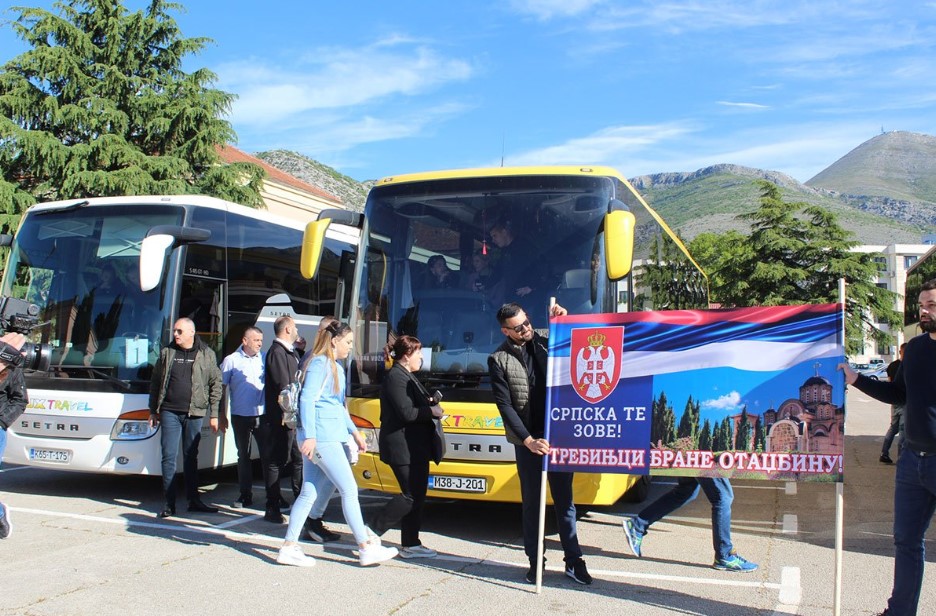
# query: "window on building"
[[909, 260], [881, 263]]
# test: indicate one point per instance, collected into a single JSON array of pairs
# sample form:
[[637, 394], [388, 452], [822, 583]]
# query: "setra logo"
[[596, 365]]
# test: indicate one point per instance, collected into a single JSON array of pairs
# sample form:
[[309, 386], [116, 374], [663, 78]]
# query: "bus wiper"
[[125, 385], [67, 208]]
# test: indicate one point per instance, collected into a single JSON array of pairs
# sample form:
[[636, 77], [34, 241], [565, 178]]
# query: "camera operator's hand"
[[153, 420], [14, 339]]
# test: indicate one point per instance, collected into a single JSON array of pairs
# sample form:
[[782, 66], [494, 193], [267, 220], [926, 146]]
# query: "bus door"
[[203, 300]]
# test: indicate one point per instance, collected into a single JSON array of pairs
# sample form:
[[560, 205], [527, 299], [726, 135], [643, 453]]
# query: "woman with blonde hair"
[[324, 426]]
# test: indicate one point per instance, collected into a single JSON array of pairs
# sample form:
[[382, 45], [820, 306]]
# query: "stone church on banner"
[[810, 423]]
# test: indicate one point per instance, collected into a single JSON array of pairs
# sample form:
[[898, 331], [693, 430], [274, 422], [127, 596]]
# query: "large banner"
[[751, 393]]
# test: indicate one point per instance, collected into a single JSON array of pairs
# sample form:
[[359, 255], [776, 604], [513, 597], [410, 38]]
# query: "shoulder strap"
[[419, 385]]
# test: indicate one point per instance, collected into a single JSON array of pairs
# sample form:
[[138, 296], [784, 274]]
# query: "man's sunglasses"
[[520, 328]]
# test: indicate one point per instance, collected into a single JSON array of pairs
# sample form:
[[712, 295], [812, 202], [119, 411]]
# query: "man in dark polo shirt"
[[914, 386], [186, 386]]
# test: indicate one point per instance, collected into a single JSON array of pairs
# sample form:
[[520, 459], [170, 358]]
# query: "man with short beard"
[[914, 386]]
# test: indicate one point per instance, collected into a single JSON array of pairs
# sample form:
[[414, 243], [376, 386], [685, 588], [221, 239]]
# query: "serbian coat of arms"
[[596, 361]]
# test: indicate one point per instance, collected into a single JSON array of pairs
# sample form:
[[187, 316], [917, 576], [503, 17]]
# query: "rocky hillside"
[[884, 191], [352, 192]]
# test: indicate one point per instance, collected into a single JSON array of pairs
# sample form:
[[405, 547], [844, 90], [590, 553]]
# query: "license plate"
[[50, 455], [458, 484]]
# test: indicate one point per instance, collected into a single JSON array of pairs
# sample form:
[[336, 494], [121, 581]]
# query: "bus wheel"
[[639, 491]]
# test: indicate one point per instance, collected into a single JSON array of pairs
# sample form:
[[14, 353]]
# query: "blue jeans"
[[530, 472], [173, 427], [719, 493], [330, 470], [2, 444], [914, 504]]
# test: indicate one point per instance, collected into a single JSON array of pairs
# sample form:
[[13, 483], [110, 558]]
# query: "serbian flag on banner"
[[750, 392]]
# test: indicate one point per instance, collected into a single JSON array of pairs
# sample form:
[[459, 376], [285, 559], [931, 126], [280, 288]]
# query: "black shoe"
[[243, 501], [577, 571], [274, 516], [197, 505], [531, 572], [314, 530], [168, 510], [886, 459]]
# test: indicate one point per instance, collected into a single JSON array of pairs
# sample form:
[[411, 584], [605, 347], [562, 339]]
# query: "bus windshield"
[[81, 266], [441, 256]]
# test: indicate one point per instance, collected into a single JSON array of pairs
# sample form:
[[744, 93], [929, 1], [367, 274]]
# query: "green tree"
[[743, 442], [760, 437], [673, 280], [705, 436], [100, 106], [663, 424], [689, 422], [796, 253]]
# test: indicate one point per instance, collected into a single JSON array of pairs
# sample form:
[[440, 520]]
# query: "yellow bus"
[[435, 261]]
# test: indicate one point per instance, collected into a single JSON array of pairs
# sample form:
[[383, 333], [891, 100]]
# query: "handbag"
[[289, 398], [438, 441]]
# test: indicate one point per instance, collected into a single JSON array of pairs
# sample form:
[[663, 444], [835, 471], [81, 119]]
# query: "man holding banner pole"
[[518, 381], [915, 485]]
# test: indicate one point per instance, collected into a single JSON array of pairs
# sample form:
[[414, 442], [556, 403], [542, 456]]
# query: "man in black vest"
[[280, 451], [518, 380]]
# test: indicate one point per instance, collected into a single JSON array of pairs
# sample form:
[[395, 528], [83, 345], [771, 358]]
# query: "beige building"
[[283, 194]]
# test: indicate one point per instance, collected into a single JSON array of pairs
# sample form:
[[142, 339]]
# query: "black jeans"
[[279, 455], [530, 472], [244, 428], [414, 481]]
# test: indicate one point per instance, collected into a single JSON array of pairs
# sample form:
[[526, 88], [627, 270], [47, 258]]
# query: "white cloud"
[[547, 9], [756, 106], [333, 78], [603, 146], [728, 402]]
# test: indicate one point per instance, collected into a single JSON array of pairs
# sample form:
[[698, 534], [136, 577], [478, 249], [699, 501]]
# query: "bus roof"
[[198, 201], [481, 172]]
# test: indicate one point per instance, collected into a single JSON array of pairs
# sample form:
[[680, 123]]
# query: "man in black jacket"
[[518, 381], [13, 401], [915, 486], [280, 450]]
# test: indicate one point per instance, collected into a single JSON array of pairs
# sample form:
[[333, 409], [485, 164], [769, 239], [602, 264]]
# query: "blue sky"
[[379, 88]]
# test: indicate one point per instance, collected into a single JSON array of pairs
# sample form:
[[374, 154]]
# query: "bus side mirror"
[[619, 243], [313, 242], [155, 248]]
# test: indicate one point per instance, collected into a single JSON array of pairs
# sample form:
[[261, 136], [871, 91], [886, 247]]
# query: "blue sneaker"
[[634, 539], [734, 563]]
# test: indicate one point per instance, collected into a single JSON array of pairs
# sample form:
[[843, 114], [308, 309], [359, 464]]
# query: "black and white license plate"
[[458, 484]]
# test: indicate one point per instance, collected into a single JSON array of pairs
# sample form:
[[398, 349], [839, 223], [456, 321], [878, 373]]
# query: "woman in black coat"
[[406, 433]]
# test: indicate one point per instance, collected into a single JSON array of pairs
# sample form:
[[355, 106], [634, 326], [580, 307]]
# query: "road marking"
[[791, 591], [790, 524], [791, 488]]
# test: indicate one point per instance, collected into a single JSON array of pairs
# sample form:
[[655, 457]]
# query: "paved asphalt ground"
[[92, 544]]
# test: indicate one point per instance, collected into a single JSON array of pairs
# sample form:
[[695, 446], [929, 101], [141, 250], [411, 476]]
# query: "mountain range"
[[883, 191]]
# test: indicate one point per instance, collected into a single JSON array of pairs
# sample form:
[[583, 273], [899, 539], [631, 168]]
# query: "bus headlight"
[[369, 432], [132, 426]]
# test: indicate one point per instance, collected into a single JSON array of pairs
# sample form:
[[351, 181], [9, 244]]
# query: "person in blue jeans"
[[13, 400], [323, 430], [719, 492]]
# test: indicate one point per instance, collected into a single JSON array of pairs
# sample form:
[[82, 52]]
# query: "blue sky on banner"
[[381, 88]]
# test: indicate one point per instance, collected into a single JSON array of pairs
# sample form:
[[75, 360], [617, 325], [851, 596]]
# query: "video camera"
[[19, 316]]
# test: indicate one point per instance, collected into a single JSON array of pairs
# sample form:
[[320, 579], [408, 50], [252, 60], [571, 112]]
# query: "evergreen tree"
[[675, 282], [744, 431], [728, 433], [100, 106], [705, 436], [718, 437], [760, 436], [796, 253]]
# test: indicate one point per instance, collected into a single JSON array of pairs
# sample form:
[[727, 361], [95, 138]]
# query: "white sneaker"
[[293, 555], [418, 551], [374, 553]]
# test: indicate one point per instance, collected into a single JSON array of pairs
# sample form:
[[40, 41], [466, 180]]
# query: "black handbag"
[[438, 432]]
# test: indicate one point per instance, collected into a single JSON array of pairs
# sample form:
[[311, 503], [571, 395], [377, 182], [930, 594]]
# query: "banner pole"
[[541, 532], [839, 497]]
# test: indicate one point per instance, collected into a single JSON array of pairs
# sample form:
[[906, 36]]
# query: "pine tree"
[[674, 281], [728, 433], [760, 437], [100, 106], [744, 431], [705, 436], [795, 254]]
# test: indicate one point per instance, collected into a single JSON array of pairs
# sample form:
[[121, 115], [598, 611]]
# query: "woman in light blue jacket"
[[324, 426]]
